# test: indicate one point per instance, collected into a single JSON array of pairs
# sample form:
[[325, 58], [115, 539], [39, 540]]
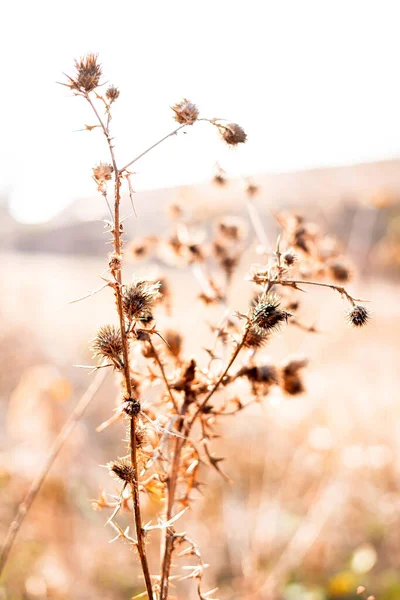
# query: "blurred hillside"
[[340, 198]]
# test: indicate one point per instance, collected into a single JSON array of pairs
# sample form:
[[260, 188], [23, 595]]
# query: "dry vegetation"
[[192, 385]]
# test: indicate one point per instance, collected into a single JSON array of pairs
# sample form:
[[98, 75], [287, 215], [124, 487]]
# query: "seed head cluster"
[[138, 299], [108, 345], [358, 316], [267, 314], [233, 134], [112, 94], [102, 173], [186, 113], [88, 73], [122, 469]]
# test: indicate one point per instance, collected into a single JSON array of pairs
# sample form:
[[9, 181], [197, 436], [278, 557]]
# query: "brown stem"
[[37, 483], [221, 378], [125, 351], [136, 509], [160, 364], [151, 148], [337, 288], [173, 477]]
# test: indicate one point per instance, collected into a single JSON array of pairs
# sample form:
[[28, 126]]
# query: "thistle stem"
[[151, 148], [117, 231]]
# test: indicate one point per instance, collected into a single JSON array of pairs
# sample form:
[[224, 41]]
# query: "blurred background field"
[[314, 507]]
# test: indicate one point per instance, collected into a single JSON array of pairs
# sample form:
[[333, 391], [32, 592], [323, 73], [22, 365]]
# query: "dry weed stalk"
[[164, 455]]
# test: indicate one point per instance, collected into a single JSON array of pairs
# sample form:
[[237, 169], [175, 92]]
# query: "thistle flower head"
[[112, 94], [102, 173], [233, 134], [289, 258], [88, 73], [256, 338], [138, 299], [358, 315], [122, 469], [267, 315], [186, 113], [108, 344]]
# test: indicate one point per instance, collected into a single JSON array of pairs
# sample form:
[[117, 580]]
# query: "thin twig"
[[151, 148], [37, 483], [160, 364]]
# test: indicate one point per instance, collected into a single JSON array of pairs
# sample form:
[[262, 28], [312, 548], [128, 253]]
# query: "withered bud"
[[231, 228], [291, 379], [219, 179], [339, 271], [88, 73], [103, 172], [174, 340], [122, 469], [186, 113], [252, 190], [289, 258], [196, 253], [292, 365], [266, 374], [112, 94], [358, 316], [233, 134], [293, 385], [131, 407], [108, 344], [256, 338], [114, 261], [138, 298], [189, 372], [266, 313]]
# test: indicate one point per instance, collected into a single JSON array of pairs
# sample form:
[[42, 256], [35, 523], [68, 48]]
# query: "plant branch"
[[117, 231], [161, 366], [151, 148]]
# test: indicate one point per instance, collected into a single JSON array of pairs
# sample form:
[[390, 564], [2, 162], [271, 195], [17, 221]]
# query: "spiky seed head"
[[233, 134], [88, 73], [138, 299], [103, 172], [186, 113], [108, 344], [267, 315], [112, 94], [122, 469], [358, 316], [289, 258], [256, 338], [114, 261], [131, 407]]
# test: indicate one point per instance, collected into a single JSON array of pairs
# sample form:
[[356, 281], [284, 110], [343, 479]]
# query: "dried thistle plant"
[[169, 440]]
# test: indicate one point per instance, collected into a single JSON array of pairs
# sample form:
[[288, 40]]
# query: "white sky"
[[313, 82]]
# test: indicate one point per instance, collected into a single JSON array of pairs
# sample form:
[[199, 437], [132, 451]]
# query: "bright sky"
[[313, 82]]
